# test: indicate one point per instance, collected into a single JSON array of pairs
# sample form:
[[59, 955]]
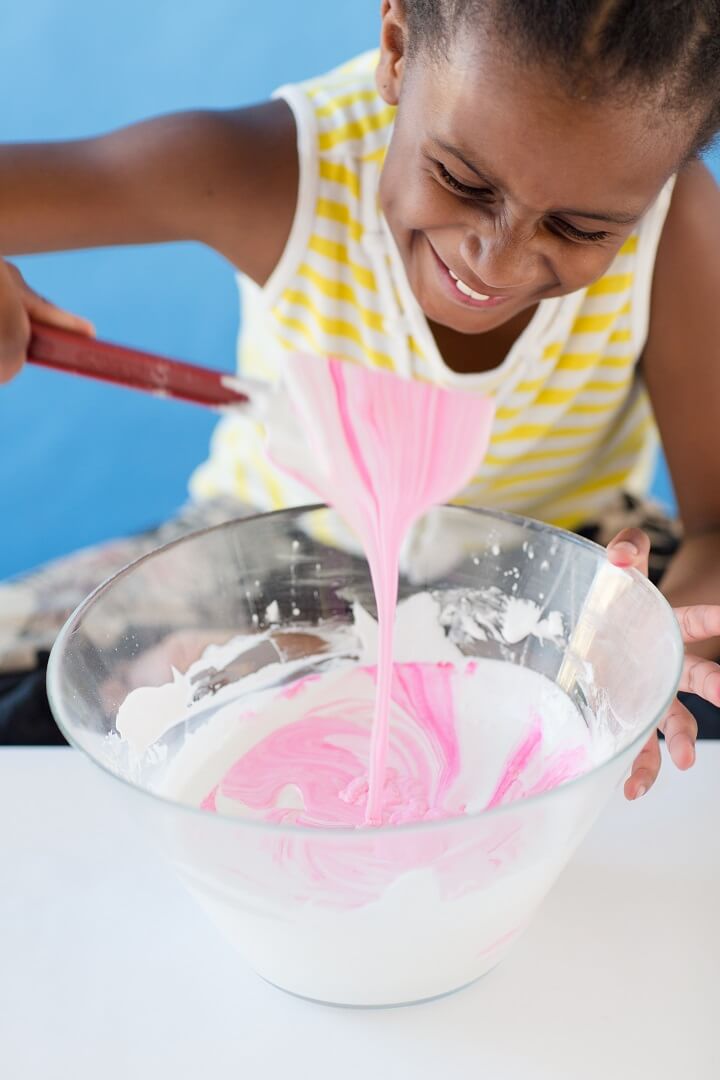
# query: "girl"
[[506, 198]]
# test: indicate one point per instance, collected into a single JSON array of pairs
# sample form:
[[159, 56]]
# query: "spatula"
[[78, 354]]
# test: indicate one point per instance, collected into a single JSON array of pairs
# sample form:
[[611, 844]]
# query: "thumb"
[[44, 311], [630, 548]]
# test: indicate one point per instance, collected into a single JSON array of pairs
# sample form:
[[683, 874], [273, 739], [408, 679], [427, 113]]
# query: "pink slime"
[[384, 450], [322, 754]]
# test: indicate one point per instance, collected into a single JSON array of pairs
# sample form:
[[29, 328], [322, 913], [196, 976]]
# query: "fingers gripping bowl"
[[190, 676]]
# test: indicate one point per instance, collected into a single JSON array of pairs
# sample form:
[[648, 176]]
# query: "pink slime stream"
[[323, 753], [383, 451]]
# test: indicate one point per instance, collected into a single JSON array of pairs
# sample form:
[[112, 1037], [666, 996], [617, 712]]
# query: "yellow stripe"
[[534, 455], [519, 501], [528, 386], [611, 283], [301, 328], [269, 479], [336, 211], [550, 352], [340, 290], [340, 174], [581, 361], [349, 78], [519, 432], [575, 432], [578, 361], [620, 335], [630, 246], [568, 521], [562, 397], [344, 100], [555, 397], [415, 348], [322, 529], [505, 413], [543, 431], [331, 249], [334, 325], [614, 479], [523, 478], [304, 331], [593, 324], [595, 409], [633, 442], [377, 156], [241, 486], [286, 343], [464, 500], [331, 287], [636, 436], [617, 361], [338, 327], [356, 129], [597, 386]]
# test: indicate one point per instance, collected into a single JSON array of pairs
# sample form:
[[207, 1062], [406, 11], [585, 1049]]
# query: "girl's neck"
[[469, 354]]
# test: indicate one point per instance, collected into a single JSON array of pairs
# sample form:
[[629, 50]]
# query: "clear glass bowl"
[[434, 905]]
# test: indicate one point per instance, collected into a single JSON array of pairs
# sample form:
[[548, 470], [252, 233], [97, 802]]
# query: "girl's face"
[[500, 191]]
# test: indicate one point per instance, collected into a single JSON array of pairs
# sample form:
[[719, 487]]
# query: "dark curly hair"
[[656, 47]]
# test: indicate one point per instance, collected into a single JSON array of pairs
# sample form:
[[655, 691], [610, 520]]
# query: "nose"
[[503, 260]]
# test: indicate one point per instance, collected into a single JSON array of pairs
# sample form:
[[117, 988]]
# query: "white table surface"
[[108, 970]]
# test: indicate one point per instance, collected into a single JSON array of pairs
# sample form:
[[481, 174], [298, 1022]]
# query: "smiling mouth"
[[463, 293], [465, 289]]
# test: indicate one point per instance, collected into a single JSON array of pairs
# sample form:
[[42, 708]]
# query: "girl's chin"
[[472, 321]]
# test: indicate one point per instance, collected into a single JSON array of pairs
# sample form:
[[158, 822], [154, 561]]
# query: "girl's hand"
[[630, 548], [18, 305]]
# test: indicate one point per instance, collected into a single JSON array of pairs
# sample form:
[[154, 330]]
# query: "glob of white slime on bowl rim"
[[383, 451]]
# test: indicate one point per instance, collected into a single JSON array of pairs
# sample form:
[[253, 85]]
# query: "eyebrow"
[[592, 215]]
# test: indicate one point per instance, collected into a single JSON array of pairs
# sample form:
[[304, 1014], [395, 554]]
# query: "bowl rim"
[[338, 832]]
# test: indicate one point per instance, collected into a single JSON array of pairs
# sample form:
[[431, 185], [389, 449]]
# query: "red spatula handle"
[[81, 355]]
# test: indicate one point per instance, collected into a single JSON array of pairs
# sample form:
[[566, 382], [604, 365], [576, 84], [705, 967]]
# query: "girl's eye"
[[569, 231], [485, 194], [564, 228]]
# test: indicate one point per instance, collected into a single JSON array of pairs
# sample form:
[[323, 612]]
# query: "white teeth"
[[463, 288]]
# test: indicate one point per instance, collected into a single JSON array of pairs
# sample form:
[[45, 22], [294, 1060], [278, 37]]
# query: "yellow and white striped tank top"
[[573, 423]]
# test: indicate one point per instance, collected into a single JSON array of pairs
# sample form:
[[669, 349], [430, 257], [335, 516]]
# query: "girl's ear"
[[393, 44]]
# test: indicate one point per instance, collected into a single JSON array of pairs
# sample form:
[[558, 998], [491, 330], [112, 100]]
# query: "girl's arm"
[[226, 179], [681, 367]]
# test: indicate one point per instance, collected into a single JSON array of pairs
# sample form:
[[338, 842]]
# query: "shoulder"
[[691, 235], [685, 314], [681, 362], [687, 277], [227, 179], [242, 172], [686, 280]]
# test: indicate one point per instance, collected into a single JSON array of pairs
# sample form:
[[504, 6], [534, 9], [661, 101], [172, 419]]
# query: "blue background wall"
[[80, 462]]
